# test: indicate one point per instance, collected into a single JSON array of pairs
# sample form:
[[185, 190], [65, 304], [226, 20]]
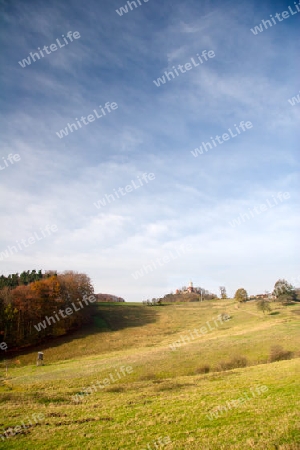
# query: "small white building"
[[191, 287]]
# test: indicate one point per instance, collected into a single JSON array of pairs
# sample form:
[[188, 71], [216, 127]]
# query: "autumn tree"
[[29, 303], [241, 295]]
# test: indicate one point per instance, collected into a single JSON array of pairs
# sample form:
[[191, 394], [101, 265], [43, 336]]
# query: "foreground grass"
[[141, 412], [162, 396]]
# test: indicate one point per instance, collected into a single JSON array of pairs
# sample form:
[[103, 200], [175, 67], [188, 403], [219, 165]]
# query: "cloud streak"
[[153, 131]]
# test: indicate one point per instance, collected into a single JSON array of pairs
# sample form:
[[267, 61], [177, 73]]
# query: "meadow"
[[117, 384]]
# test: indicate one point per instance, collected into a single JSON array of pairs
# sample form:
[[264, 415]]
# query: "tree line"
[[27, 299], [13, 280]]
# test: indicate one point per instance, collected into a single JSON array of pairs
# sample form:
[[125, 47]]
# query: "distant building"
[[191, 287], [266, 296], [187, 290]]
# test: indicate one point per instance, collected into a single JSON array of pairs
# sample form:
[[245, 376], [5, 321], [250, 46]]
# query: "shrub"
[[277, 353], [205, 368], [222, 365], [239, 361], [235, 363], [115, 389]]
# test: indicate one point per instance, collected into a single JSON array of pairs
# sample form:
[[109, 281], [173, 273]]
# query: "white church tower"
[[191, 287]]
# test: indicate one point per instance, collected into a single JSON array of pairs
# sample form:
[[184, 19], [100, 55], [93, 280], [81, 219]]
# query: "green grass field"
[[117, 384]]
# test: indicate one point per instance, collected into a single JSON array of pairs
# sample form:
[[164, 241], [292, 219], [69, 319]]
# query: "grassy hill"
[[118, 384]]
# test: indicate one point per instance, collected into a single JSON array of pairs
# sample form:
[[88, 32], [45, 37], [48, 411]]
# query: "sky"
[[227, 215]]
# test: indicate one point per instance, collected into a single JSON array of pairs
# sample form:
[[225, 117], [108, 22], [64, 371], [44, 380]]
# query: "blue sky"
[[192, 202]]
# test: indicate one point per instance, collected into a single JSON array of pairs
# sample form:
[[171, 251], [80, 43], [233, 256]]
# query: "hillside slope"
[[120, 385]]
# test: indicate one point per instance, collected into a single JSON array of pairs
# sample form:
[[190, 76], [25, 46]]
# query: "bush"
[[115, 389], [239, 361], [235, 363], [222, 366], [277, 353], [203, 369]]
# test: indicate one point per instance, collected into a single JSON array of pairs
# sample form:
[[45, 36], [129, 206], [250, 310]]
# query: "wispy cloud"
[[153, 130]]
